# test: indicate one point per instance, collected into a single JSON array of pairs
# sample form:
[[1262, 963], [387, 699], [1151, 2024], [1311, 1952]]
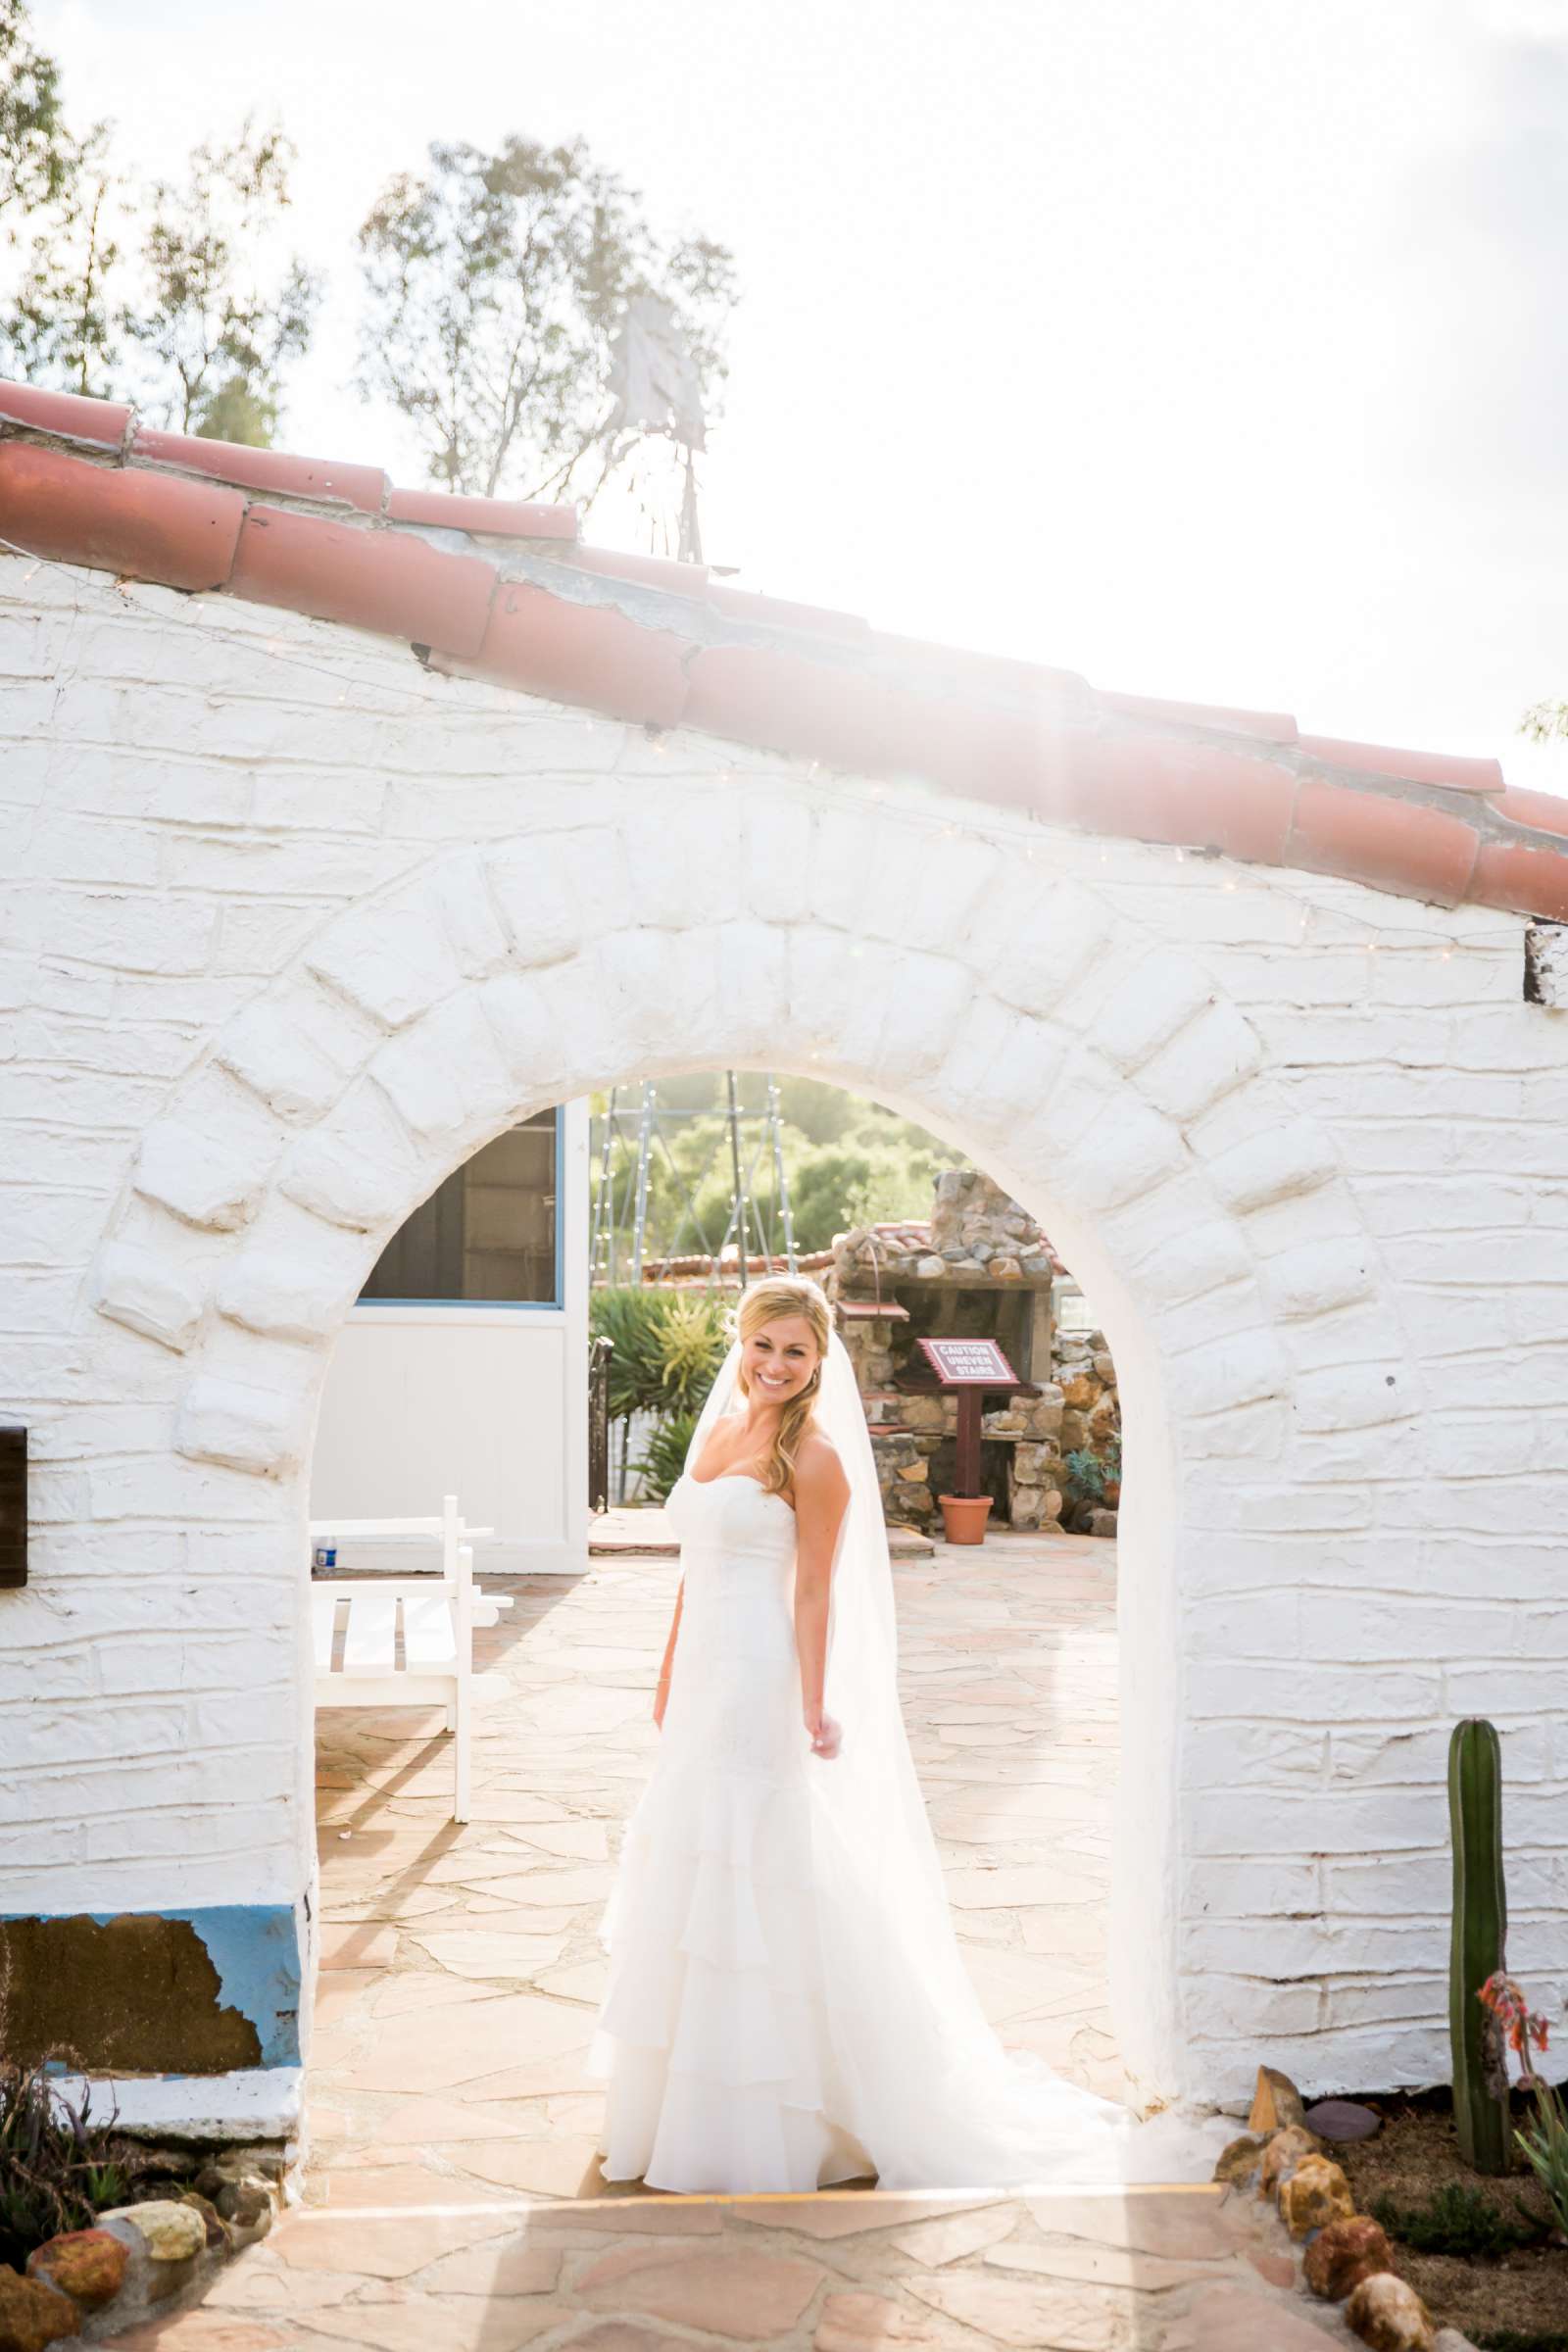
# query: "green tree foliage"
[[664, 1458], [37, 154], [848, 1161], [495, 284], [1545, 722], [220, 317], [57, 192], [62, 323], [175, 294], [666, 1347]]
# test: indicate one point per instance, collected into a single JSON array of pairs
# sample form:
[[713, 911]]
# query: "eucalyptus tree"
[[500, 292], [175, 293]]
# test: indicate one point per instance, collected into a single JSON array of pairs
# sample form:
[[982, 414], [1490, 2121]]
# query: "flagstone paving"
[[452, 2197], [1136, 2269]]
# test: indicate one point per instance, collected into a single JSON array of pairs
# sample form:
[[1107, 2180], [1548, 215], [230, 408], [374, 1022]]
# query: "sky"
[[1211, 348]]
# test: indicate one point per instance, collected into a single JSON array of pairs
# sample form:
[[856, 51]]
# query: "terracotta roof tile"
[[773, 612], [575, 652], [101, 423], [758, 670], [950, 668], [388, 581], [1526, 880], [1274, 727], [1543, 812], [147, 526], [1407, 768], [645, 571], [502, 517], [1160, 788], [848, 717], [1380, 839], [266, 470]]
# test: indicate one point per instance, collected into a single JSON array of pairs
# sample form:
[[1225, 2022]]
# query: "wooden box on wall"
[[13, 1505]]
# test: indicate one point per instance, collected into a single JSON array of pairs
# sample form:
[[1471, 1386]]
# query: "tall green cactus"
[[1476, 1952]]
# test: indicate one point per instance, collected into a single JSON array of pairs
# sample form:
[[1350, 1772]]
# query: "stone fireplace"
[[981, 1269]]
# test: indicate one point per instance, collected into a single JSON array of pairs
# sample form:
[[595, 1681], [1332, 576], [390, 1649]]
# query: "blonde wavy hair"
[[766, 1301]]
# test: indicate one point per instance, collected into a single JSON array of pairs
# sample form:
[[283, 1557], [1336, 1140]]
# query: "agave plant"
[[662, 1464], [58, 2167]]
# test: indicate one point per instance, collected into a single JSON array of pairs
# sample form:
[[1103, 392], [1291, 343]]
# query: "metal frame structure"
[[633, 1134]]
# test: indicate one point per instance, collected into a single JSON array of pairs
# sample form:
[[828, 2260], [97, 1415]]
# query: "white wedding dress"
[[713, 2030], [786, 2002]]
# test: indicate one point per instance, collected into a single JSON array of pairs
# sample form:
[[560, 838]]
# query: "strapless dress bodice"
[[737, 1557], [732, 1515]]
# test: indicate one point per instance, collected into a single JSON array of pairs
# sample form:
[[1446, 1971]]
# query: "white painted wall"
[[489, 1404], [293, 926]]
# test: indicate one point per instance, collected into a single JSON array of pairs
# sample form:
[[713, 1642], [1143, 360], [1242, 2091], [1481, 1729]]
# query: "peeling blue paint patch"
[[255, 1949]]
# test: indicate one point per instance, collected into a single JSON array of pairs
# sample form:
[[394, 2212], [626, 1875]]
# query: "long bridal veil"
[[935, 2099]]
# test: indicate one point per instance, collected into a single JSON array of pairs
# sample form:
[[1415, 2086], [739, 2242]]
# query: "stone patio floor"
[[452, 2198]]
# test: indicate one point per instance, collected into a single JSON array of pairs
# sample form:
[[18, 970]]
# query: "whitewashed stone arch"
[[1097, 1070]]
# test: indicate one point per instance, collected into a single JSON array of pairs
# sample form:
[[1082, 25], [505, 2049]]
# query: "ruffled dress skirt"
[[712, 2039]]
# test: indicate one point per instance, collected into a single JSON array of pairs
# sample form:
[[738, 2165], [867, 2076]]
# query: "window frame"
[[480, 1310]]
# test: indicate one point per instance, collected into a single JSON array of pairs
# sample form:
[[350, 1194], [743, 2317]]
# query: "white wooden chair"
[[435, 1616]]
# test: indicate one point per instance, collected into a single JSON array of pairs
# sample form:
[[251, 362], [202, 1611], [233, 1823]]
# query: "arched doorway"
[[460, 1966], [1092, 1067]]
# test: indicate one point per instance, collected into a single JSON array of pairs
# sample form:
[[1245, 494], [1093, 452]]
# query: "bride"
[[786, 2003]]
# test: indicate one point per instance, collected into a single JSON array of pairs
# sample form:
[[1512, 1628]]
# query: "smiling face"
[[779, 1357]]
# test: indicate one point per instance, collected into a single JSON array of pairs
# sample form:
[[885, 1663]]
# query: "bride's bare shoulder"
[[818, 1469]]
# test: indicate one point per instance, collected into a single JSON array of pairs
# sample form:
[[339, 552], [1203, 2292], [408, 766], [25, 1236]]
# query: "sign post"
[[970, 1367]]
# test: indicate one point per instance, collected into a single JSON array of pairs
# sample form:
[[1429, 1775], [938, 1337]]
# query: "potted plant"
[[964, 1517]]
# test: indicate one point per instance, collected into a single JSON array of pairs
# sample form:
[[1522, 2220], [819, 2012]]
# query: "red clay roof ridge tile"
[[505, 590]]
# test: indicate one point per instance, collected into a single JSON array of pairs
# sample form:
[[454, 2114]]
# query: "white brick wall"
[[293, 925]]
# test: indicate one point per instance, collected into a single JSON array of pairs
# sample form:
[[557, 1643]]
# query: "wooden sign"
[[968, 1363], [12, 1506]]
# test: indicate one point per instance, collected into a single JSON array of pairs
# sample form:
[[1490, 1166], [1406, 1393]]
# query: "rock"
[[170, 2236], [1342, 2254], [31, 2314], [1007, 1269], [930, 1269], [1314, 2194], [1388, 2314], [1105, 1369], [1103, 1523], [1033, 1465], [1284, 2152], [246, 2205], [1240, 2158], [1080, 1393], [1342, 2120], [1448, 2339], [211, 2220], [1276, 2102], [170, 2230], [88, 2265]]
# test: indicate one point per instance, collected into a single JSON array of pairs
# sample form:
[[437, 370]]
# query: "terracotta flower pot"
[[964, 1517]]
